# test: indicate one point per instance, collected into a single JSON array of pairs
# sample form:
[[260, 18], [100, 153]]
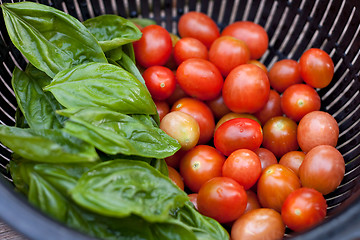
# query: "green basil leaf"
[[20, 120], [101, 85], [143, 22], [113, 132], [128, 64], [46, 145], [49, 38], [129, 51], [120, 188]]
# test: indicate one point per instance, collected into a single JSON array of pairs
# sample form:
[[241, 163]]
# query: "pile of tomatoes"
[[256, 148]]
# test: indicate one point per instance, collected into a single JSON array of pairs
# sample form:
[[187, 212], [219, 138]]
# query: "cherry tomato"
[[316, 68], [252, 34], [244, 166], [193, 199], [303, 209], [272, 108], [222, 198], [280, 135], [160, 82], [246, 89], [323, 169], [177, 94], [199, 165], [176, 177], [252, 201], [189, 47], [200, 78], [174, 160], [266, 157], [236, 134], [154, 47], [202, 114], [171, 64], [218, 107], [200, 26], [259, 64], [228, 52], [258, 224], [283, 74], [293, 160], [232, 115], [298, 100], [182, 127], [275, 184], [317, 128], [162, 108]]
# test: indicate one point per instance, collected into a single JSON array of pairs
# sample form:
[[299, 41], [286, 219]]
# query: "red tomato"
[[162, 108], [222, 198], [189, 47], [252, 34], [160, 82], [154, 47], [236, 134], [218, 107], [193, 199], [200, 78], [177, 94], [228, 52], [316, 68], [243, 166], [266, 157], [298, 100], [199, 165], [272, 108], [176, 177], [246, 89], [232, 115], [293, 160], [174, 160], [198, 25], [202, 114], [323, 169], [283, 74], [303, 209], [280, 135], [259, 64], [317, 128], [253, 201], [258, 224], [275, 184]]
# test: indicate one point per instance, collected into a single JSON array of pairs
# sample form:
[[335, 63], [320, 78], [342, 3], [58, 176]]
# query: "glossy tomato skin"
[[298, 100], [193, 199], [222, 198], [202, 114], [175, 177], [160, 82], [244, 166], [162, 108], [244, 84], [323, 169], [189, 47], [283, 74], [154, 47], [259, 64], [200, 26], [266, 157], [232, 115], [316, 68], [174, 160], [258, 224], [236, 134], [200, 78], [252, 34], [177, 94], [253, 201], [199, 165], [303, 209], [218, 107], [275, 184], [272, 108], [293, 160]]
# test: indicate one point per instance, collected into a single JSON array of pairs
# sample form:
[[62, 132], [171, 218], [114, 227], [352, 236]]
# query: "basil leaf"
[[143, 22], [101, 85], [20, 120], [46, 145], [120, 188], [49, 38], [128, 64], [113, 132]]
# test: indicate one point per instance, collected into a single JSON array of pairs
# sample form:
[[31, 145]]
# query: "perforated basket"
[[293, 26]]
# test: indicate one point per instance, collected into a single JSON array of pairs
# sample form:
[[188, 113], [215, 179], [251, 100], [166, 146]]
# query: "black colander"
[[292, 25]]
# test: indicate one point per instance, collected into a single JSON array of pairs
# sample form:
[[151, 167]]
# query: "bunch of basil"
[[86, 146]]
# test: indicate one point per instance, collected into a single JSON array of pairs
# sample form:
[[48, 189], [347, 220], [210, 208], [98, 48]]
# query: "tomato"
[[298, 100], [252, 201], [182, 127], [246, 89], [236, 134], [275, 184], [303, 209], [171, 63], [259, 64], [200, 78], [160, 82], [323, 169], [283, 74], [293, 160], [272, 108], [174, 160], [252, 34], [266, 157], [232, 115], [280, 135], [154, 47], [316, 68], [244, 166], [189, 47], [176, 177], [177, 94], [218, 107], [222, 198], [200, 26], [317, 128], [199, 165], [258, 224], [202, 114], [162, 108], [228, 52], [193, 199]]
